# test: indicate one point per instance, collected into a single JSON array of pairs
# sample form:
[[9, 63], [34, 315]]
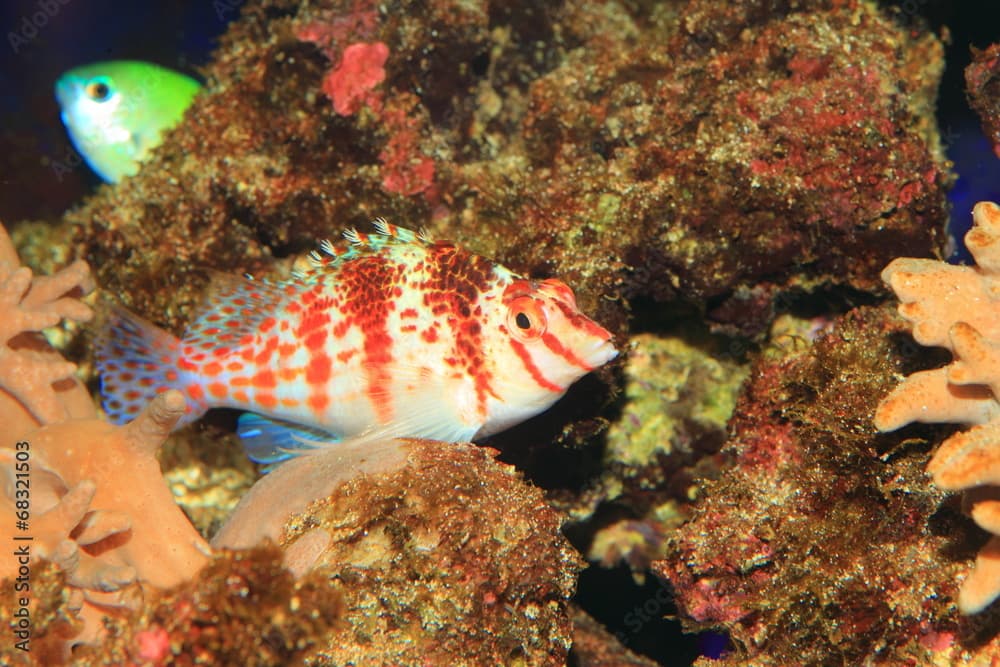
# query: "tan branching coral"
[[102, 511], [958, 308], [37, 385], [99, 507]]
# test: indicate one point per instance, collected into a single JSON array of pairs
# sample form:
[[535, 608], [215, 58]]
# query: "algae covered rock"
[[441, 554], [822, 538], [700, 150], [453, 559]]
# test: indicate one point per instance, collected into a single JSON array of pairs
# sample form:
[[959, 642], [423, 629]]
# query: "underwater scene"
[[585, 333]]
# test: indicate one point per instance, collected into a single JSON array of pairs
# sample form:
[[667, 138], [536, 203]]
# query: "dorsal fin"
[[359, 244]]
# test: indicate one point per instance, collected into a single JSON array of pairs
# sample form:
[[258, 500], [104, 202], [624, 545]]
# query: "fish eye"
[[98, 90], [525, 318]]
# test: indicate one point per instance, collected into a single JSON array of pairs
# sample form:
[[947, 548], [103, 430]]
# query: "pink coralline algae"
[[405, 170], [352, 82]]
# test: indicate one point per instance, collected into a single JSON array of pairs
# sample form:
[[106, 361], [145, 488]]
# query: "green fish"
[[116, 112]]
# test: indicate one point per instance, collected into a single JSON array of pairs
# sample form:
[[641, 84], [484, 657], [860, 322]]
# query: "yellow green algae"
[[670, 386]]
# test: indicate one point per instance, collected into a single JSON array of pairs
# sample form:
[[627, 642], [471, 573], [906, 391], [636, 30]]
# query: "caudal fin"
[[137, 360]]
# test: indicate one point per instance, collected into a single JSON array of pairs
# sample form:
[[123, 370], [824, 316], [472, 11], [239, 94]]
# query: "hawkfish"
[[117, 111], [392, 335]]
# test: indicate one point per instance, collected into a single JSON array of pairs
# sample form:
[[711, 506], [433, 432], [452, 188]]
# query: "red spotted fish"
[[393, 336]]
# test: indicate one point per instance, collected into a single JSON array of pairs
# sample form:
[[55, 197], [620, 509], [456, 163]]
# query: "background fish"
[[394, 336], [116, 111]]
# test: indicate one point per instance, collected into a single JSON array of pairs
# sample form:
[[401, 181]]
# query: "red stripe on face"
[[536, 374], [556, 347], [581, 321]]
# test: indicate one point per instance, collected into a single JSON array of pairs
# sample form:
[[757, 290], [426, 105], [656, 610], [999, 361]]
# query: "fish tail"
[[137, 360]]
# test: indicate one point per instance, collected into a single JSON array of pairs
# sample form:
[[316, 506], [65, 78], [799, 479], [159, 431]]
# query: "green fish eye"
[[98, 89]]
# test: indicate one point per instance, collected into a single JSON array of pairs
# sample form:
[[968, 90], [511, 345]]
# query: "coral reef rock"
[[441, 554], [982, 85], [821, 538], [244, 608], [709, 151], [958, 308]]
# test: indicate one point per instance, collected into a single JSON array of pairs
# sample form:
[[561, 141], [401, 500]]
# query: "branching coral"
[[100, 509], [36, 384], [958, 308]]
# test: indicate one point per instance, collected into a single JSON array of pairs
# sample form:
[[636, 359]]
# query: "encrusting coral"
[[958, 308]]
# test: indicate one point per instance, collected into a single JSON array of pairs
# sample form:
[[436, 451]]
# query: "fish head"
[[116, 111], [546, 344]]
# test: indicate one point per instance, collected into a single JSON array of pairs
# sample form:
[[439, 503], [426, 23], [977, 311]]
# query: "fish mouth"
[[602, 352], [66, 91]]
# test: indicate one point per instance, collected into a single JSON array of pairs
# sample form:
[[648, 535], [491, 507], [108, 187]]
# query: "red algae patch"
[[352, 82]]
